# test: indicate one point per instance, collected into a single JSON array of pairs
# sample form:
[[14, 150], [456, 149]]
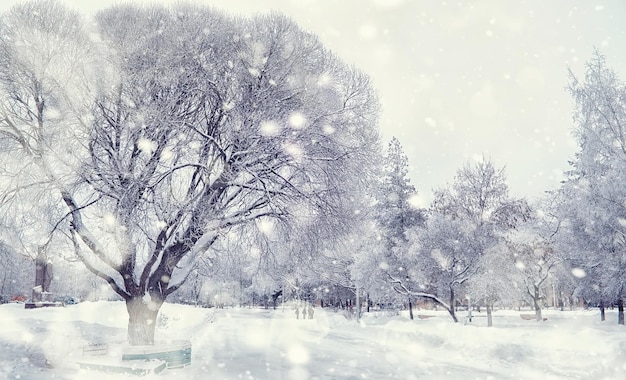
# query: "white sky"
[[462, 79]]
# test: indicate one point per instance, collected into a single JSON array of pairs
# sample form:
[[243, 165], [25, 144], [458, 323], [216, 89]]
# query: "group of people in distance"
[[307, 309]]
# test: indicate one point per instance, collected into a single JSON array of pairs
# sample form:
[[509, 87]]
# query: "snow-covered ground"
[[272, 344]]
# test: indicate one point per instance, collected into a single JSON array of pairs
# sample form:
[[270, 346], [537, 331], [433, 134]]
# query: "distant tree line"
[[475, 245]]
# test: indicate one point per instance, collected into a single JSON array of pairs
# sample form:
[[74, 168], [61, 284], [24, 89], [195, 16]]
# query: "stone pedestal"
[[176, 354]]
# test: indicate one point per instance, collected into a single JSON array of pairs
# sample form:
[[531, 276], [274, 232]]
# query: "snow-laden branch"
[[92, 268], [85, 235], [347, 285], [407, 292], [187, 263], [16, 133]]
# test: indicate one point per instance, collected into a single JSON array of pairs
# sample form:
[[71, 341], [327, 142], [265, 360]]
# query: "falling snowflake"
[[297, 120], [430, 122], [578, 273], [266, 226], [269, 128], [294, 150], [416, 201], [146, 146], [298, 354], [227, 106], [368, 31], [443, 261], [109, 220], [328, 129], [324, 80], [254, 72], [167, 154]]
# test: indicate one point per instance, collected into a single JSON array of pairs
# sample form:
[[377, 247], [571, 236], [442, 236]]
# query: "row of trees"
[[476, 242], [164, 146]]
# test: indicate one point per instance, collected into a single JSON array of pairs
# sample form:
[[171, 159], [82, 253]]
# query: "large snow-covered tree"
[[592, 199], [199, 124]]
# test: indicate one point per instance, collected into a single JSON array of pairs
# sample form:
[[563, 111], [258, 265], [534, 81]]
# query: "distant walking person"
[[311, 311], [297, 313]]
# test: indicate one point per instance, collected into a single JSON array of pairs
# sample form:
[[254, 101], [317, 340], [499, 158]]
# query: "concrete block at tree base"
[[139, 367], [176, 354]]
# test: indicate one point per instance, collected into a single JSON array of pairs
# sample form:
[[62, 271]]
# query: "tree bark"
[[536, 297], [452, 309], [142, 317], [620, 311], [410, 308], [489, 317], [405, 291], [602, 312]]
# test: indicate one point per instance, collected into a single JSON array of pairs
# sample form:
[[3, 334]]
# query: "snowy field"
[[272, 344]]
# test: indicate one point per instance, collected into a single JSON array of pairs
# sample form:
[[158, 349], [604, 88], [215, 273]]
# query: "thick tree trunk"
[[620, 311], [452, 309], [142, 317], [536, 304], [453, 314], [602, 312], [410, 308], [489, 317]]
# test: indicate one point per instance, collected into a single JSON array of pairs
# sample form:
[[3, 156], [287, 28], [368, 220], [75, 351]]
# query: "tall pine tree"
[[396, 211]]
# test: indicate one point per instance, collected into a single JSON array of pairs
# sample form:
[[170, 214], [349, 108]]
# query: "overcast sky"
[[463, 79]]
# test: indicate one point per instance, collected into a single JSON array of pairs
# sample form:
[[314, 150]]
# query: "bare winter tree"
[[203, 124], [492, 283], [467, 218], [535, 261]]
